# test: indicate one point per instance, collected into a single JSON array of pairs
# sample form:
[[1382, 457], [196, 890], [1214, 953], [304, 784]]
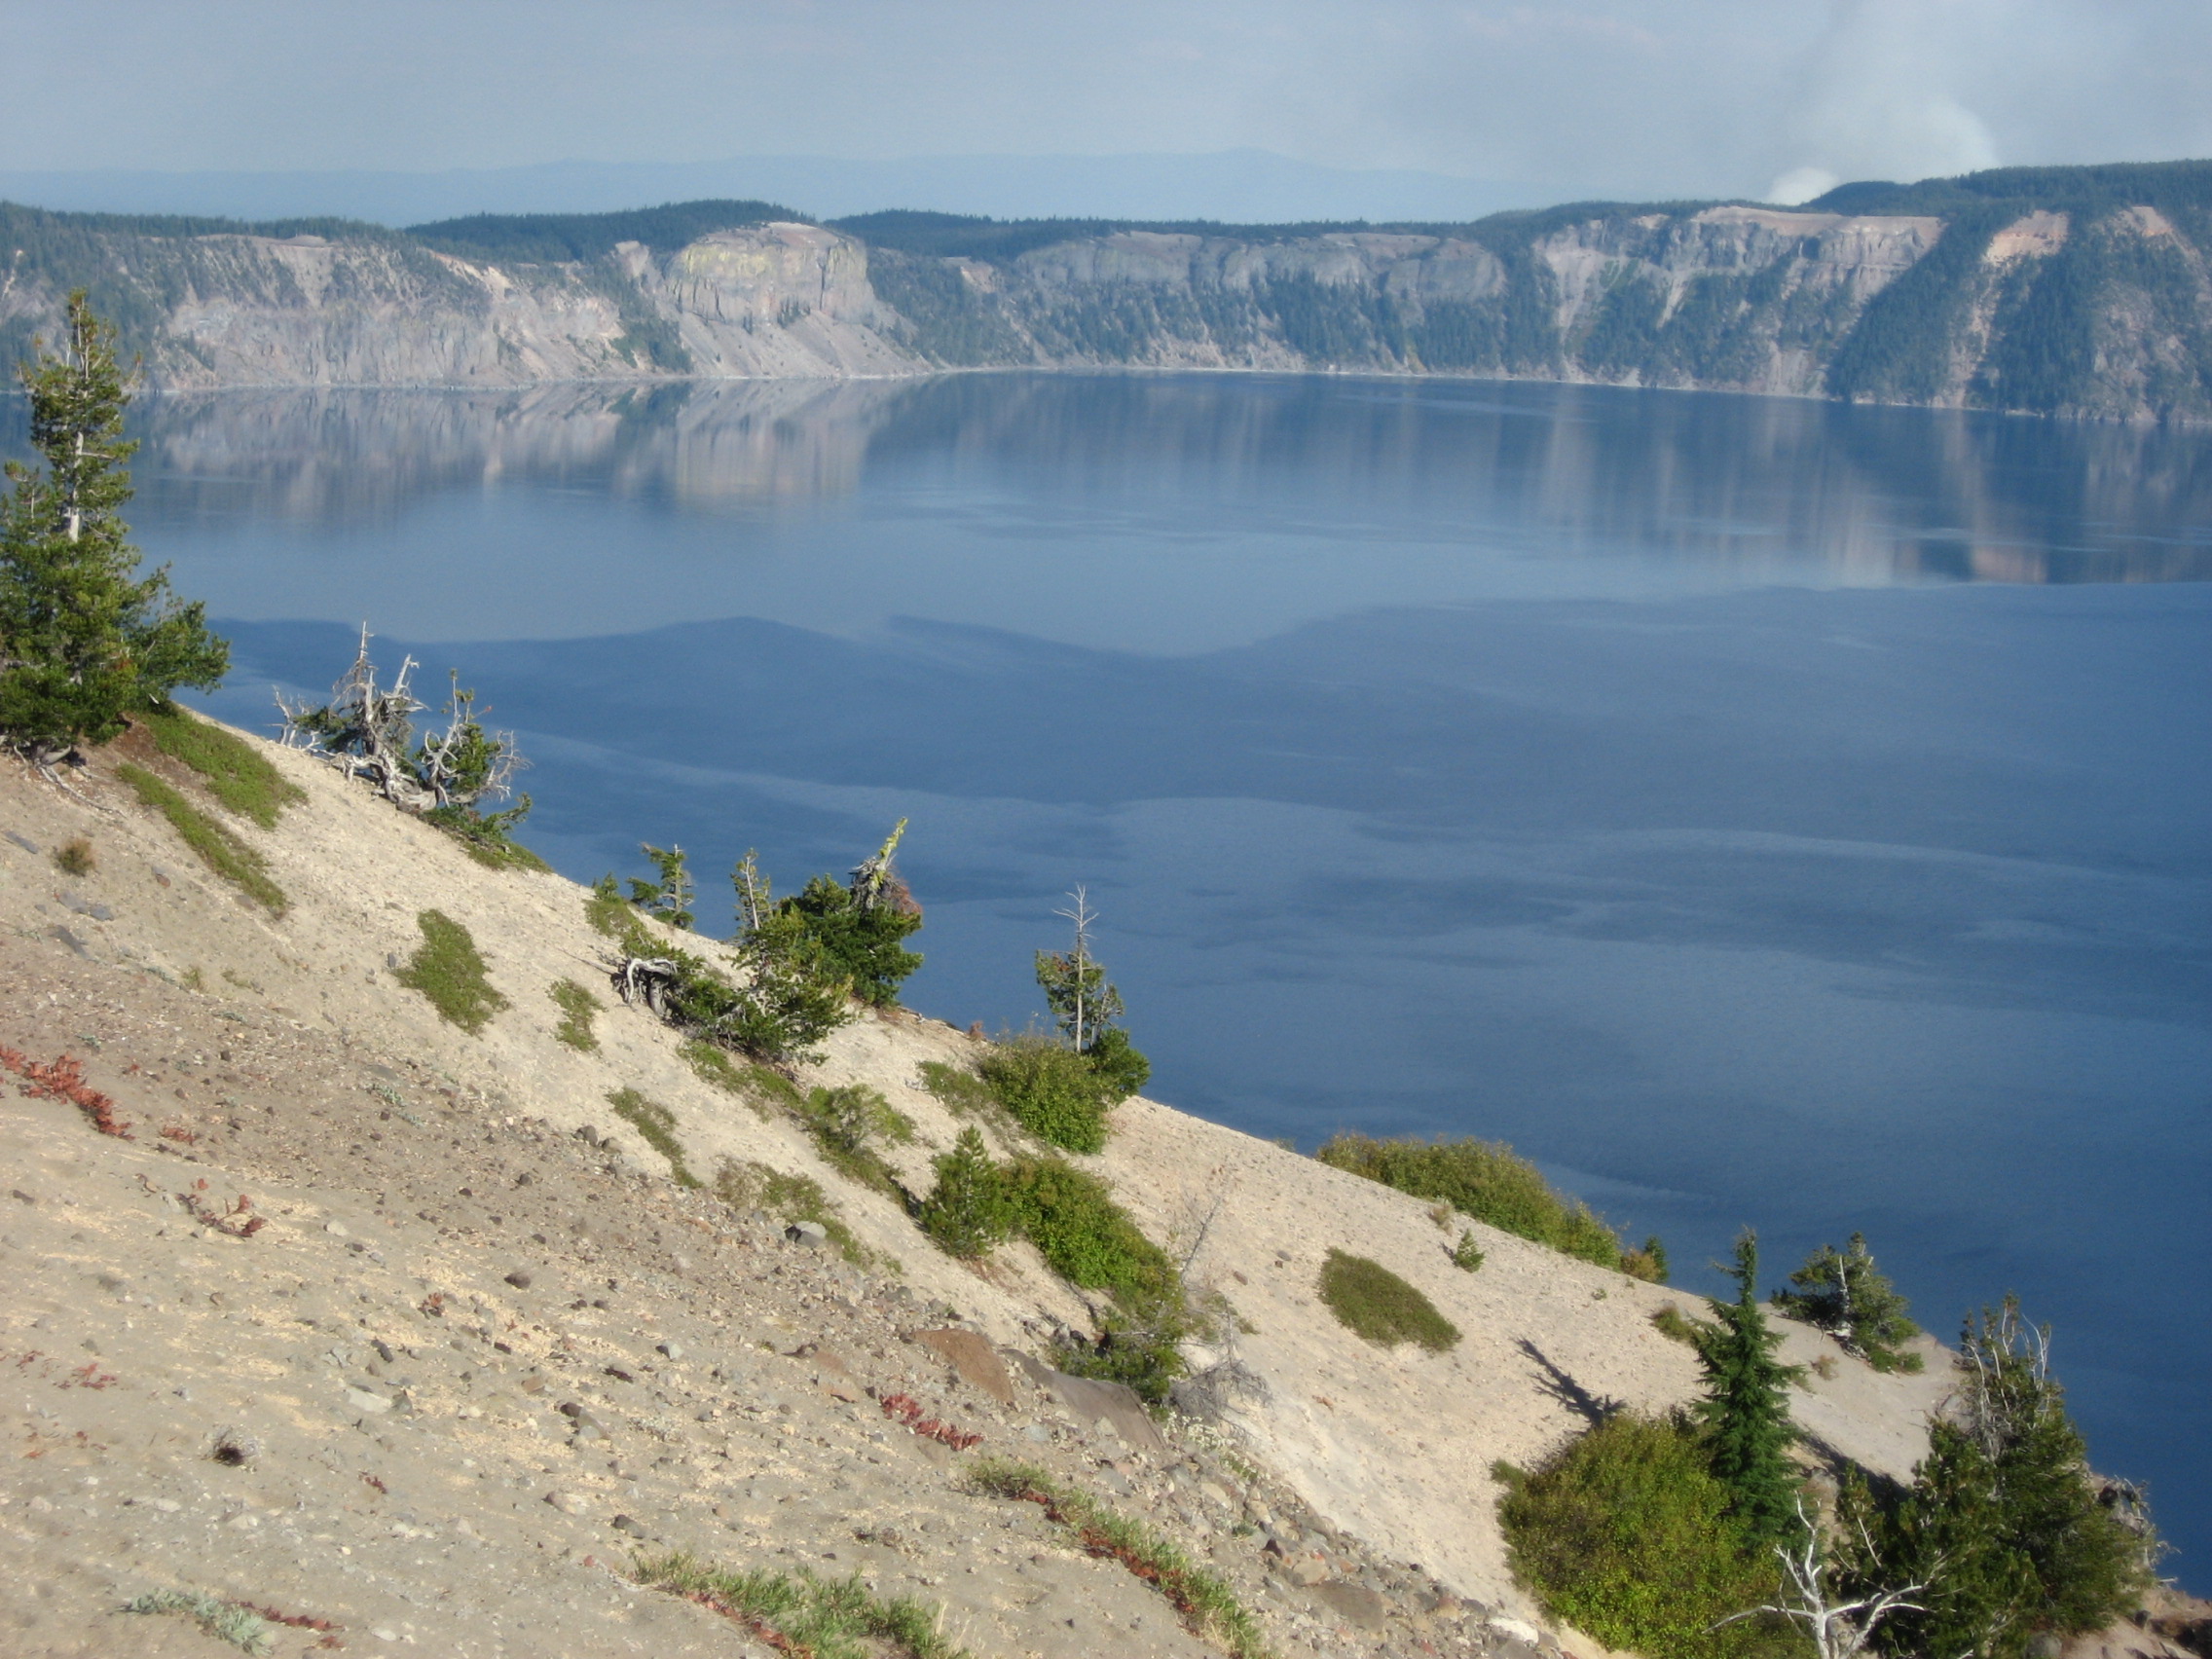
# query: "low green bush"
[[1481, 1179], [1052, 1091], [1848, 1296], [236, 774], [848, 1124], [802, 1615], [229, 858], [959, 1091], [578, 1007], [759, 1086], [656, 1124], [447, 969], [1377, 1305], [487, 837], [1625, 1533], [1676, 1325], [1466, 1255]]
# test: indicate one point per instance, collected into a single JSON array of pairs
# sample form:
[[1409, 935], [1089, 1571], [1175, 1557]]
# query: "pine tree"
[[862, 924], [2003, 1516], [967, 1212], [1088, 1008], [84, 639], [1845, 1294], [1746, 1408]]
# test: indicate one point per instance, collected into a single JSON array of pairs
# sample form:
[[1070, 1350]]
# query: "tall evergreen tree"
[[84, 639], [1746, 1408]]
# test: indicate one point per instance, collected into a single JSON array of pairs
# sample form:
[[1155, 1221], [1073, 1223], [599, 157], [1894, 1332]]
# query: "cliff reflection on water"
[[1758, 488]]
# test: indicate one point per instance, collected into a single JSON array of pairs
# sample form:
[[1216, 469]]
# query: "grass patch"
[[656, 1124], [958, 1089], [794, 1198], [578, 1007], [1375, 1303], [76, 857], [226, 1621], [800, 1613], [218, 848], [1208, 1606], [759, 1086], [1481, 1179], [610, 913], [238, 774], [1051, 1091], [1624, 1532], [446, 969], [847, 1125]]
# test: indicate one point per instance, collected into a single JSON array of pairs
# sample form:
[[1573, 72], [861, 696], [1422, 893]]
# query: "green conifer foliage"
[[1845, 1294], [862, 925], [84, 639], [1746, 1408], [2003, 1519], [968, 1211]]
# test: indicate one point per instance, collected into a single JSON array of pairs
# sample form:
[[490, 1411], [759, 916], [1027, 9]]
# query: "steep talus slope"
[[468, 1338], [2082, 291]]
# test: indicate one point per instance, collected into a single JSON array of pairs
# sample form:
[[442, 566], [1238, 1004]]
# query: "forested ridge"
[[2050, 290]]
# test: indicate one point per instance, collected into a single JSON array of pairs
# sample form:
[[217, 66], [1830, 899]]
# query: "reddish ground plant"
[[907, 1410], [64, 1080]]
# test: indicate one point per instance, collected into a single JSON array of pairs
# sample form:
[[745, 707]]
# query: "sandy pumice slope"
[[473, 1358]]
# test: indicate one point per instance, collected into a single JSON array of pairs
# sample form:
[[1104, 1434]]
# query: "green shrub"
[[224, 853], [606, 909], [968, 1211], [959, 1091], [1672, 1323], [1846, 1294], [1381, 1308], [446, 969], [1647, 1262], [577, 1007], [75, 857], [862, 941], [1050, 1090], [656, 1124], [826, 1619], [1466, 1256], [847, 1125], [1625, 1534], [236, 774], [1481, 1179], [1120, 1068], [1089, 1241], [487, 837], [234, 1622]]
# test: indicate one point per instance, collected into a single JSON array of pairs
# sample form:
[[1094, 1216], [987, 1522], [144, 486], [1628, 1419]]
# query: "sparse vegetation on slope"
[[656, 1124], [1206, 1604], [1484, 1180], [223, 851], [236, 774], [802, 1614], [578, 1009]]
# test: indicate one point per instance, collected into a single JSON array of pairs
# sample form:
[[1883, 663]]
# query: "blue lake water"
[[1755, 811]]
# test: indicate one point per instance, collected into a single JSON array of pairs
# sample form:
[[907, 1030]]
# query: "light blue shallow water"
[[1756, 811]]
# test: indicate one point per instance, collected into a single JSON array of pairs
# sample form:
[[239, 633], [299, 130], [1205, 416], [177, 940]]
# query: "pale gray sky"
[[1574, 97]]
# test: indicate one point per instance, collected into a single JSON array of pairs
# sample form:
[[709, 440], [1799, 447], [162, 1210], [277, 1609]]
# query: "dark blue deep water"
[[1755, 811]]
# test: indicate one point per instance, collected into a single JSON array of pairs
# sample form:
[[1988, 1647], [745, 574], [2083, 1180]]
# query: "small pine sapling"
[[1088, 1008], [862, 924], [670, 897], [967, 1213]]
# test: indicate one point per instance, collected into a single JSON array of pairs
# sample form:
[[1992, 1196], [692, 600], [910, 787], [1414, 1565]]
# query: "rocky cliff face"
[[2102, 309]]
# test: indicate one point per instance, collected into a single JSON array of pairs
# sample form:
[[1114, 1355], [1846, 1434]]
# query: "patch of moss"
[[447, 969], [218, 848], [1377, 1305], [656, 1124], [578, 1007], [236, 774]]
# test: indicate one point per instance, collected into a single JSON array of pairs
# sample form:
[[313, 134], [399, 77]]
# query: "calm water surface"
[[1756, 811]]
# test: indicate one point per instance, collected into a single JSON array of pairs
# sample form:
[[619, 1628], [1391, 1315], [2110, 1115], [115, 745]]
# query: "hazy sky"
[[1582, 97]]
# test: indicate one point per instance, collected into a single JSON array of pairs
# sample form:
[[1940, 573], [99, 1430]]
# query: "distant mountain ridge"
[[2077, 291]]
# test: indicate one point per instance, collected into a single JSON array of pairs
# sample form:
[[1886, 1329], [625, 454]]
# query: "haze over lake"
[[1755, 811]]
